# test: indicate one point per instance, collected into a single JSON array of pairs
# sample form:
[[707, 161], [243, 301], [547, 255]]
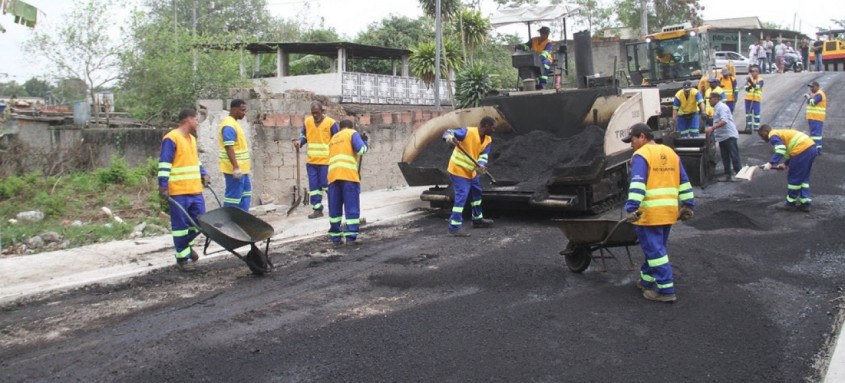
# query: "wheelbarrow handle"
[[188, 216], [208, 186], [612, 231]]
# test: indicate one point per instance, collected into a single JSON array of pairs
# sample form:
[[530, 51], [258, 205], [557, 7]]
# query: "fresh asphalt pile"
[[759, 301]]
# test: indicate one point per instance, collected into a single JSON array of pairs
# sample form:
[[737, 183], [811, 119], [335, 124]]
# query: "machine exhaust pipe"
[[583, 57], [550, 203]]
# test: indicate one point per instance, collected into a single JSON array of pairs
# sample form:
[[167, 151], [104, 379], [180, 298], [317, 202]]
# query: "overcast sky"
[[349, 17]]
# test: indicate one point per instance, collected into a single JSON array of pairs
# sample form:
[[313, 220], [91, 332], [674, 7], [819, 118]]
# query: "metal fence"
[[366, 88]]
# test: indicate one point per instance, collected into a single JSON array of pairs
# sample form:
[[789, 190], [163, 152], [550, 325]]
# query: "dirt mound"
[[726, 219]]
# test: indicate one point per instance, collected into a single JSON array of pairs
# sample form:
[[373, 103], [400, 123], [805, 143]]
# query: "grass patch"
[[130, 192]]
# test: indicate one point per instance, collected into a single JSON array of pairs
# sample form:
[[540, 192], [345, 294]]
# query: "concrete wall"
[[327, 83]]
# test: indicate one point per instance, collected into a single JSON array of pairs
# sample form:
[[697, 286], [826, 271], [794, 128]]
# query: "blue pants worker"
[[344, 200], [465, 189], [546, 72], [752, 115], [816, 128], [656, 270], [688, 125], [318, 183], [731, 105], [180, 227], [798, 178], [238, 192]]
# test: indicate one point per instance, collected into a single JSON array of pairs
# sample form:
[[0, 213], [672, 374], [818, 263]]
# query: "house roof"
[[353, 50], [752, 22]]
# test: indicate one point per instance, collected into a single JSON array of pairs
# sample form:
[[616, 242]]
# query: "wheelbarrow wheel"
[[257, 261], [578, 259]]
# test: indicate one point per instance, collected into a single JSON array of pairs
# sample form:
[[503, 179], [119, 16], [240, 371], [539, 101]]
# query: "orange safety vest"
[[662, 188], [343, 161], [794, 141], [539, 46], [710, 110], [240, 147], [755, 94], [184, 172], [817, 111], [459, 164], [318, 138], [728, 86]]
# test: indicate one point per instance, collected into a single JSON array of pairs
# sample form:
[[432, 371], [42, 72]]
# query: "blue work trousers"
[[545, 73], [344, 200], [731, 105], [656, 270], [465, 189], [180, 227], [752, 115], [238, 192], [798, 177], [816, 128], [688, 125], [318, 183]]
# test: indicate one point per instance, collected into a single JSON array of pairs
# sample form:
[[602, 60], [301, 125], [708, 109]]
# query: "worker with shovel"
[[469, 158], [798, 152], [345, 149], [181, 177], [317, 133], [816, 104], [658, 183]]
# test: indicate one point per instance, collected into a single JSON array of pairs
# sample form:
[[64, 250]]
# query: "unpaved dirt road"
[[759, 299]]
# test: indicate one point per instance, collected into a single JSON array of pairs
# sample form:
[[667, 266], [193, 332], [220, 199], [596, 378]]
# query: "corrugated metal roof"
[[329, 49]]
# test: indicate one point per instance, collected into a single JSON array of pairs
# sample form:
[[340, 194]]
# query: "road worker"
[[728, 82], [798, 152], [345, 150], [753, 99], [543, 46], [316, 133], [180, 181], [469, 158], [816, 105], [714, 87], [686, 106], [234, 160], [658, 183]]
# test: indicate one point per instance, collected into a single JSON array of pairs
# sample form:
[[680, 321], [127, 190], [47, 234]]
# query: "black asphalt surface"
[[759, 299]]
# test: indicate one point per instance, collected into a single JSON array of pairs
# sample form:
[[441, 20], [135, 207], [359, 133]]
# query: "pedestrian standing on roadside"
[[816, 105], [728, 81], [725, 133], [763, 56], [345, 150], [780, 52], [235, 162], [804, 47], [753, 99], [769, 45], [316, 133], [817, 52], [180, 181], [658, 183], [798, 152], [752, 53], [469, 159]]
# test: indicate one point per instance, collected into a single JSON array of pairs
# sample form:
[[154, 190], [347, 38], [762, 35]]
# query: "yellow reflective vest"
[[756, 92], [459, 164], [240, 147], [184, 172], [816, 111], [689, 104], [709, 110], [728, 86], [317, 138], [794, 141], [539, 46], [343, 161], [662, 188]]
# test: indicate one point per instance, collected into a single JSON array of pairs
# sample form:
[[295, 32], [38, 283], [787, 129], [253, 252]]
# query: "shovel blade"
[[746, 172]]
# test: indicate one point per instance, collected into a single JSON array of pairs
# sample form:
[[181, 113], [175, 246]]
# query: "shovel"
[[492, 179], [747, 171], [296, 198]]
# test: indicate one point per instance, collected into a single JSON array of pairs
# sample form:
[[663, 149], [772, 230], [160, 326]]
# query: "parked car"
[[741, 63]]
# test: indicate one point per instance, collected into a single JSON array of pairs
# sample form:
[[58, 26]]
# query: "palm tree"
[[474, 29], [448, 8], [421, 60]]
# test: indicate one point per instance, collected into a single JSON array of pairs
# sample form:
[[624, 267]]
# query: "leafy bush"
[[473, 83], [12, 186], [52, 205]]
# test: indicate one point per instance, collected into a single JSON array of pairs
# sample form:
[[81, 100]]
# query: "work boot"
[[643, 287], [186, 266], [315, 214], [458, 233], [354, 242], [653, 295], [804, 208], [194, 256], [786, 207], [337, 243], [483, 223], [729, 178]]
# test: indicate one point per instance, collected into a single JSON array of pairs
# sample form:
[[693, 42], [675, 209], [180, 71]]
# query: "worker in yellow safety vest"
[[816, 105], [659, 184], [234, 159], [345, 150], [316, 133], [714, 87], [469, 159], [728, 82], [543, 46], [686, 106], [798, 152], [180, 181], [753, 98]]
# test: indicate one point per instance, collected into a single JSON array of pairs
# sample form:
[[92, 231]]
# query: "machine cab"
[[677, 52]]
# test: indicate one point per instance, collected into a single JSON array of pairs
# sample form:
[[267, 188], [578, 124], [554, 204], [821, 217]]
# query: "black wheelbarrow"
[[233, 228], [588, 235]]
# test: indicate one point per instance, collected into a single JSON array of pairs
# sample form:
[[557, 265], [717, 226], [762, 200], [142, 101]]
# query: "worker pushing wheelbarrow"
[[233, 228]]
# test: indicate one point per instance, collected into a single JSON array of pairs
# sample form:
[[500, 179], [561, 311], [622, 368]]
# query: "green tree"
[[393, 32], [474, 30], [12, 88], [37, 88], [448, 8], [840, 23], [422, 59], [661, 13], [226, 17], [69, 90], [472, 84], [80, 46]]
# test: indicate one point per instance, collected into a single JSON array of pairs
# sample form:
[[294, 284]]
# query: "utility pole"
[[437, 43], [644, 17], [194, 38]]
